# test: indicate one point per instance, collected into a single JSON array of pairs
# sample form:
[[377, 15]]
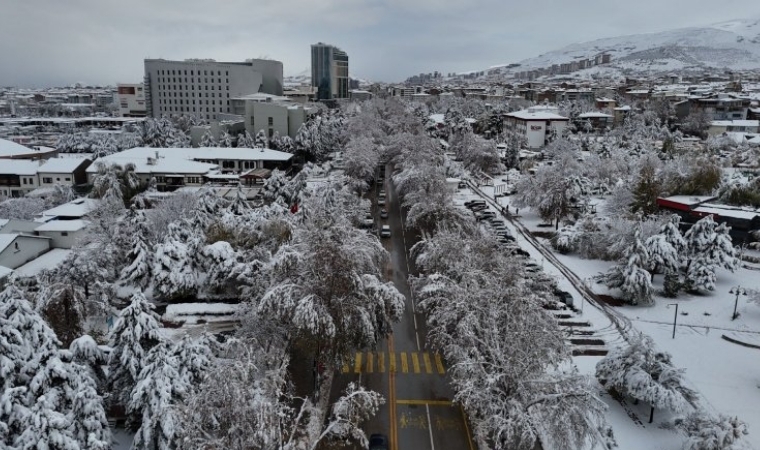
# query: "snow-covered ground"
[[726, 374]]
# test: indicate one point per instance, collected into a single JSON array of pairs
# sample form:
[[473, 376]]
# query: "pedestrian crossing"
[[395, 362]]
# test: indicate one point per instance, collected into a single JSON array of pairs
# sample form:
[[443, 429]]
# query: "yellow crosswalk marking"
[[392, 357], [370, 362], [439, 364], [415, 362], [381, 362], [358, 363], [428, 365], [404, 363], [345, 368]]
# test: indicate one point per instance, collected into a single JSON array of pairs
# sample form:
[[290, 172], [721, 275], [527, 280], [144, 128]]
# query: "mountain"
[[727, 45]]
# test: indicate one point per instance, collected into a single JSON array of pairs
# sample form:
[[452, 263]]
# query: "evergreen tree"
[[646, 191], [705, 432], [630, 275], [225, 140], [245, 140], [240, 205], [275, 143], [174, 267], [662, 256], [136, 331], [140, 257], [261, 141], [708, 247], [208, 140]]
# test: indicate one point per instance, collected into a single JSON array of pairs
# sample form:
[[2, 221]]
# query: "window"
[[228, 164], [227, 72], [64, 233], [47, 180], [57, 179], [68, 179], [271, 121], [252, 121]]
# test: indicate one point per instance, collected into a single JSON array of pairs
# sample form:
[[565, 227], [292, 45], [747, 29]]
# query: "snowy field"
[[727, 375]]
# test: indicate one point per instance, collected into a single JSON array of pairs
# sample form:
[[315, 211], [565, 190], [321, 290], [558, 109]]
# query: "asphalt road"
[[418, 413]]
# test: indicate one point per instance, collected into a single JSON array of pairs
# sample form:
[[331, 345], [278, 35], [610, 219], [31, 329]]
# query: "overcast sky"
[[59, 42]]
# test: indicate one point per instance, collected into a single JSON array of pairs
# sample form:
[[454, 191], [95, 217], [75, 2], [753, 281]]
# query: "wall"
[[58, 240], [29, 248], [56, 178], [261, 112]]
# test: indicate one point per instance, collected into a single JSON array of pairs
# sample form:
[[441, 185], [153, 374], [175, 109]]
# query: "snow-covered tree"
[[245, 140], [140, 257], [159, 386], [641, 372], [706, 432], [240, 205], [86, 352], [361, 159], [630, 275], [90, 425], [261, 140], [208, 140], [136, 331], [175, 264], [662, 256], [225, 140], [63, 308], [708, 247]]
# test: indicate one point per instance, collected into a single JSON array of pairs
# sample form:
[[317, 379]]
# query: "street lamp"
[[738, 290], [675, 317]]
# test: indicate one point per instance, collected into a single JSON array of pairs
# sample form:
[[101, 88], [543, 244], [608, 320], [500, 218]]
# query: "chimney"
[[157, 154]]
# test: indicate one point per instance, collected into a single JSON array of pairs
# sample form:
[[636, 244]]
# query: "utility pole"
[[739, 290], [675, 319]]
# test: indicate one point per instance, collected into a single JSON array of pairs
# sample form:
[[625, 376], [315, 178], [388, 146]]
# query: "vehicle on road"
[[477, 208], [385, 231], [565, 297], [381, 201], [485, 215], [368, 221], [382, 193], [383, 213], [471, 203], [462, 185], [378, 442]]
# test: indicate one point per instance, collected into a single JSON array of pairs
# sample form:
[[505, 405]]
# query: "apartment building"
[[130, 99], [329, 71], [536, 124], [271, 113], [204, 88]]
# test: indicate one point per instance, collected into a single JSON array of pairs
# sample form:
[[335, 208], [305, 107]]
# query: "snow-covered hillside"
[[733, 45]]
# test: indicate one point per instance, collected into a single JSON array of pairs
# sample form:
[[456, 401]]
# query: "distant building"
[[329, 71], [130, 99], [270, 113], [360, 95], [718, 127], [203, 88]]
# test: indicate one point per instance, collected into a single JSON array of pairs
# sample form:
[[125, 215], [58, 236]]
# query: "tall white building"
[[204, 87], [130, 99]]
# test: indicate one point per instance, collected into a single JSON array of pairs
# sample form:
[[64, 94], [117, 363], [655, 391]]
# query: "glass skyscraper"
[[329, 71]]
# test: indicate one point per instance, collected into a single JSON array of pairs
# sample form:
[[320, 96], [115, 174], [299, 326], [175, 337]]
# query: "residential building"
[[66, 171], [536, 124], [271, 113], [174, 168], [718, 127], [18, 177], [130, 99], [203, 88], [598, 121], [12, 150], [62, 233], [74, 210], [329, 71], [361, 95], [717, 107], [18, 249]]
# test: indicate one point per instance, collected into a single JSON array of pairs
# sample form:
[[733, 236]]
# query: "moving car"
[[381, 201], [383, 213], [385, 231]]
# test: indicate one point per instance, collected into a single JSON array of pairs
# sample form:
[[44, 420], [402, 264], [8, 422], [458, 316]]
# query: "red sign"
[[535, 128]]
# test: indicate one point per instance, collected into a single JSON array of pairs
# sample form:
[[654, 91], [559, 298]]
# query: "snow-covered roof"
[[76, 208], [10, 148], [187, 160], [63, 225], [594, 115], [6, 239], [726, 212], [689, 199], [47, 261], [735, 123], [19, 167], [60, 165], [536, 115], [623, 108], [604, 100], [437, 118]]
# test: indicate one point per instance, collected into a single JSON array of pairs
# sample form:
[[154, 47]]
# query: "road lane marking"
[[430, 427], [439, 364], [415, 362], [392, 357], [404, 363], [428, 364], [425, 402], [392, 396], [370, 362], [381, 362], [358, 363]]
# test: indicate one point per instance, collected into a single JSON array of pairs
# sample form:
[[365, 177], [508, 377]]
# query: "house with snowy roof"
[[21, 176], [596, 120], [12, 150], [691, 209], [174, 168], [64, 171], [18, 249], [536, 124]]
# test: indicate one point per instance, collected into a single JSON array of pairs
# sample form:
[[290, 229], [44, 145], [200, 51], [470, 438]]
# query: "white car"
[[385, 231]]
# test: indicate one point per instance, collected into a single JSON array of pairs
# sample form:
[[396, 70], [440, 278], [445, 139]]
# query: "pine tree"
[[275, 143], [647, 190], [705, 432], [86, 353], [245, 140], [261, 141], [208, 140], [136, 331], [630, 274], [175, 263], [158, 387], [671, 284], [140, 257], [662, 256], [240, 205], [225, 140], [708, 247], [194, 358], [90, 425]]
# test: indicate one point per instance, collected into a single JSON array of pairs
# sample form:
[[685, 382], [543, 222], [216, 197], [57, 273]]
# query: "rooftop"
[[63, 225], [61, 165], [47, 261], [75, 208], [538, 115]]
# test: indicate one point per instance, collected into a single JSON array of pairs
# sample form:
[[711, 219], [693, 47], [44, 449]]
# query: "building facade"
[[203, 88], [271, 113], [536, 125], [130, 99], [329, 71]]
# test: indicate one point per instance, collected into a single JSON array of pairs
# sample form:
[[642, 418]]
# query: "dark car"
[[378, 442], [565, 297], [383, 214], [471, 203]]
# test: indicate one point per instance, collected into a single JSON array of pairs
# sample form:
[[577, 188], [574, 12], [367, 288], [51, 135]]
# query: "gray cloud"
[[55, 42]]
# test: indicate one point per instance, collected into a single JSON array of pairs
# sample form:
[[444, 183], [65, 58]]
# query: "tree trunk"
[[651, 415]]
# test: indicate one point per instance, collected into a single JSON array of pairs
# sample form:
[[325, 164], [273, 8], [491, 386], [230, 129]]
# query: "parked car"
[[385, 231], [462, 185], [565, 297], [485, 215], [471, 203], [382, 193], [497, 222], [477, 208], [383, 213], [368, 221], [378, 442], [381, 201]]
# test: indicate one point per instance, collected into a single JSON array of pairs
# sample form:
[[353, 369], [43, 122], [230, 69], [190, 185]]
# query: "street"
[[418, 413]]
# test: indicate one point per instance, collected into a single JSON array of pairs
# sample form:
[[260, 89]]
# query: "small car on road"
[[383, 213], [385, 231]]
